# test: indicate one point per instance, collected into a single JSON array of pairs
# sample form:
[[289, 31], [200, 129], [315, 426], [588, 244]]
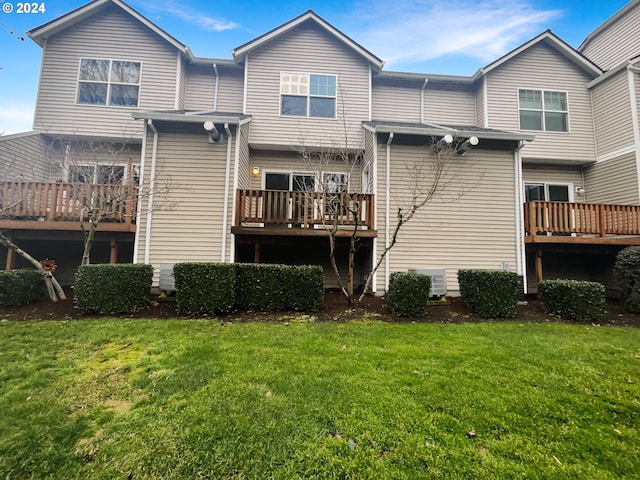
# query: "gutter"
[[424, 85], [152, 181], [225, 208], [432, 131], [521, 263], [215, 91], [143, 154], [387, 214]]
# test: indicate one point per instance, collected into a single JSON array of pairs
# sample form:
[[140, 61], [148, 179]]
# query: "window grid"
[[108, 82], [307, 95], [543, 110]]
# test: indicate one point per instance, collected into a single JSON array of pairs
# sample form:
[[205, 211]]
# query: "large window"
[[543, 110], [109, 82], [548, 192], [308, 95], [111, 174]]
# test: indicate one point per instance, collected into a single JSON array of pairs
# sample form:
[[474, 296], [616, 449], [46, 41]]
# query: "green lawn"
[[199, 399]]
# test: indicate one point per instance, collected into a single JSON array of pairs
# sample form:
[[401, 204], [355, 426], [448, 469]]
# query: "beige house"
[[542, 148]]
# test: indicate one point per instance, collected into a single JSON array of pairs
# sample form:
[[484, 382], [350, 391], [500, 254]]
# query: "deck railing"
[[303, 209], [579, 219], [56, 201]]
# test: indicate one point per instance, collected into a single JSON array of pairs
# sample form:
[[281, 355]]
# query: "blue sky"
[[453, 37]]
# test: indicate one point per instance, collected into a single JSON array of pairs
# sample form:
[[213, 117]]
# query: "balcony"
[[581, 223], [285, 212], [59, 206]]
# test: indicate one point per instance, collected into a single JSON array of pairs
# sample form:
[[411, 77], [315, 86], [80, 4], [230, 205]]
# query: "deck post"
[[10, 255], [256, 252], [113, 255], [601, 217], [539, 264]]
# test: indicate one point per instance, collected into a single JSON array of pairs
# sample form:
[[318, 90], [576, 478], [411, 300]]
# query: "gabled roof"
[[556, 42], [309, 15], [620, 13], [41, 33]]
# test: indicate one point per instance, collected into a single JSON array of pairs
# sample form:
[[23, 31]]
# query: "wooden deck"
[[299, 213], [59, 206]]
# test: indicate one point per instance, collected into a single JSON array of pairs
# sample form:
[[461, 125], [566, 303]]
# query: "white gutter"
[[374, 182], [225, 208], [215, 92], [236, 163], [176, 102], [370, 92], [387, 215], [152, 182], [634, 117], [521, 264], [424, 85], [246, 77], [485, 102], [143, 154]]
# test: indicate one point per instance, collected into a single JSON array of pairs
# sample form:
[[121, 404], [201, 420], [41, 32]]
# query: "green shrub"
[[489, 293], [204, 288], [21, 287], [408, 294], [259, 287], [627, 269], [112, 288], [303, 287], [573, 299]]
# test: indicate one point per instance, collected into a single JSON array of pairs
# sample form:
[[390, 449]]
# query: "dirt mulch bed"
[[335, 309]]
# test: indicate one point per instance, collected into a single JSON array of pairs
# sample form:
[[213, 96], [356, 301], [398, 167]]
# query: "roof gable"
[[41, 33], [309, 15], [555, 42], [613, 19]]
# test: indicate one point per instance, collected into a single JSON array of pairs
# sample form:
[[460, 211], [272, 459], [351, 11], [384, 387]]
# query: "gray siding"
[[618, 42], [613, 181], [108, 35], [480, 113], [612, 111], [231, 89], [553, 174], [542, 67], [201, 84], [449, 104], [24, 157], [395, 100], [475, 230], [306, 49]]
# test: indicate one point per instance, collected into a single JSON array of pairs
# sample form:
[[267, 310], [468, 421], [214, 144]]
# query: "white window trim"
[[546, 188], [108, 104], [308, 96], [315, 176], [542, 91]]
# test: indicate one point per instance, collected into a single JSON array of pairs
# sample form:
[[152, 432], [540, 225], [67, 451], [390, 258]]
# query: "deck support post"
[[539, 264], [10, 255], [256, 252], [350, 263], [113, 255]]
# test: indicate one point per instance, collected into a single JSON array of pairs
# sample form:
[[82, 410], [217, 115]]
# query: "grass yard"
[[137, 399]]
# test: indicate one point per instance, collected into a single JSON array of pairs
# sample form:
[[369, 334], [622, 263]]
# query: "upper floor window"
[[109, 82], [543, 110], [308, 95]]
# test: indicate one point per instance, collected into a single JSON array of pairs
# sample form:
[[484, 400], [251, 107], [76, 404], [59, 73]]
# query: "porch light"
[[214, 134], [444, 142], [470, 143], [255, 170]]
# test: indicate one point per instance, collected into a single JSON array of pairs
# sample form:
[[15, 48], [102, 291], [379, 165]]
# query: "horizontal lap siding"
[[394, 100], [612, 111], [480, 103], [619, 42], [541, 67], [307, 49], [192, 230], [612, 181], [200, 87], [230, 89], [113, 35], [475, 231], [24, 157], [553, 174], [449, 104]]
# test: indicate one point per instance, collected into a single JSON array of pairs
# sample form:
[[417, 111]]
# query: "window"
[[308, 95], [543, 110], [547, 192], [103, 174], [108, 82]]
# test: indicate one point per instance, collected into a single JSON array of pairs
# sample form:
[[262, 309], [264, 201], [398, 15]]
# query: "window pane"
[[294, 106], [125, 72], [323, 85], [323, 107], [555, 101], [81, 173], [124, 95], [556, 122], [110, 174], [530, 120], [92, 93], [533, 192], [531, 99], [558, 193], [94, 70], [335, 182]]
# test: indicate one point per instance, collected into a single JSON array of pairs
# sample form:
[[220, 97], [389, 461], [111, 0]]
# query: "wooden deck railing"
[[303, 209], [58, 201], [581, 219]]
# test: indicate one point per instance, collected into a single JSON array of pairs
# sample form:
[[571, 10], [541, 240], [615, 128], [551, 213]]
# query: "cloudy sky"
[[453, 37]]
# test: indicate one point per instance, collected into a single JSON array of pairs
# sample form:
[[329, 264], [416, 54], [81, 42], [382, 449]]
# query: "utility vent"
[[438, 280], [166, 277]]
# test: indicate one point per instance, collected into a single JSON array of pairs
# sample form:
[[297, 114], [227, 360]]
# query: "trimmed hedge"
[[110, 289], [573, 299], [489, 293], [21, 287], [259, 287], [303, 287], [627, 269], [204, 288], [408, 294]]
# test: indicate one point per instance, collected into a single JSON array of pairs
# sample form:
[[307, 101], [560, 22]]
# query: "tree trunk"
[[89, 237]]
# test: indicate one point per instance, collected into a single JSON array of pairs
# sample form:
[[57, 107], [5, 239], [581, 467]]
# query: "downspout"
[[485, 101], [374, 181], [225, 208], [387, 201], [236, 163], [143, 154], [521, 263], [424, 85], [152, 182], [634, 116], [246, 81], [176, 102], [215, 92]]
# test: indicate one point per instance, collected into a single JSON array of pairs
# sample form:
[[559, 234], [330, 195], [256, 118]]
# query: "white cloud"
[[412, 31], [178, 9], [16, 118]]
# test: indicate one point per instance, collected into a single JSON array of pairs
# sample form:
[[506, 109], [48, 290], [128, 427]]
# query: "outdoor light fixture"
[[255, 170], [444, 142], [470, 143], [214, 135]]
